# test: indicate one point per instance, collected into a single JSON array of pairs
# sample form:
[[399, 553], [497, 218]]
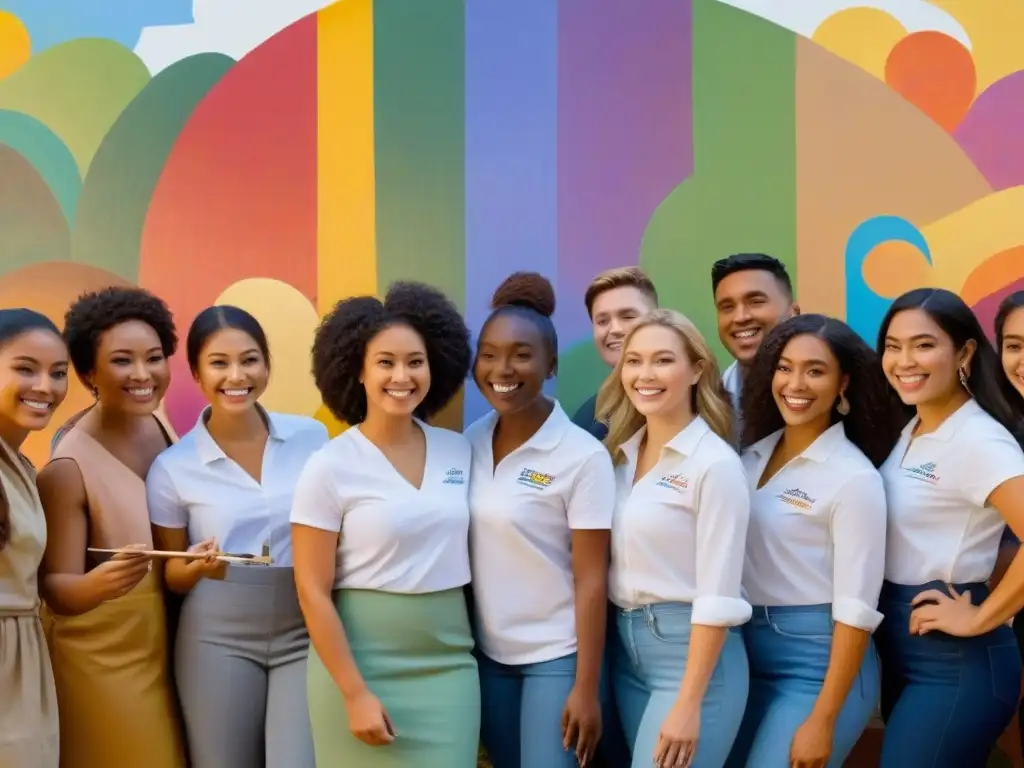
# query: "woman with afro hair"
[[380, 523], [106, 622], [541, 501]]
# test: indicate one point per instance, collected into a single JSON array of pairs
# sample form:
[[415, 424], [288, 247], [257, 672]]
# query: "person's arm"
[[65, 585]]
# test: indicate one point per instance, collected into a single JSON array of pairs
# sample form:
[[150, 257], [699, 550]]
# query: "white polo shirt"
[[817, 529], [394, 537], [937, 486], [678, 535], [522, 516], [194, 485]]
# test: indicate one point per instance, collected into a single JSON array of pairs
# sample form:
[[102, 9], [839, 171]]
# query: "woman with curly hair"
[[951, 667], [380, 525], [820, 418], [541, 500], [679, 668], [106, 622], [33, 384]]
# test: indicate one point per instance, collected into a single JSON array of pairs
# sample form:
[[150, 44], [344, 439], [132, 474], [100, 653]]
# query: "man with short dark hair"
[[753, 294]]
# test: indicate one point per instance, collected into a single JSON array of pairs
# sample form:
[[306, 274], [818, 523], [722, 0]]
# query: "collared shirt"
[[394, 537], [817, 529], [523, 512], [586, 418], [938, 484], [732, 381], [678, 534], [194, 485]]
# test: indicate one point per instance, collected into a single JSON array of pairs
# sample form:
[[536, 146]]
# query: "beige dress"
[[28, 703], [111, 664]]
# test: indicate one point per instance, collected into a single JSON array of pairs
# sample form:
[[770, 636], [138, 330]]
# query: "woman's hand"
[[955, 615], [369, 721], [208, 567], [581, 724], [120, 574], [812, 744], [677, 742]]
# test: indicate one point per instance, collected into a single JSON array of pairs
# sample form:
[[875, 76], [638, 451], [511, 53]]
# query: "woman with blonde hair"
[[679, 668]]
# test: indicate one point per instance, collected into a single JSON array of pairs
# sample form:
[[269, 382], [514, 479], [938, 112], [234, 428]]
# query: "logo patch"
[[796, 498], [531, 478], [677, 483], [454, 477], [923, 472]]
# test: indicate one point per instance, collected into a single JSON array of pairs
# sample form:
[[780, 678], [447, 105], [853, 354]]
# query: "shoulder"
[[581, 443], [848, 459], [60, 480], [292, 425], [584, 415], [182, 450], [446, 439], [712, 450], [481, 428]]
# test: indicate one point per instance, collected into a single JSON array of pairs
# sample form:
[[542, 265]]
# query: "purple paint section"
[[625, 135], [511, 134], [991, 132]]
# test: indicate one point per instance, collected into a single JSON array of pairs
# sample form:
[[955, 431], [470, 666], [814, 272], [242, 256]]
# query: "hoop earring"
[[843, 407], [963, 379]]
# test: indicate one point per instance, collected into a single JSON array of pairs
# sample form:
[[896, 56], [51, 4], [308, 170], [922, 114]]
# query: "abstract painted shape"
[[993, 27], [124, 172], [77, 90], [862, 36], [50, 287], [15, 44], [237, 197], [935, 73], [858, 155], [47, 154], [52, 22], [994, 274], [991, 132], [742, 194], [31, 220], [985, 309]]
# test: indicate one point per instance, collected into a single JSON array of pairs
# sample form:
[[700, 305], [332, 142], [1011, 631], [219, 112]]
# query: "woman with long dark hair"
[[820, 419], [951, 667]]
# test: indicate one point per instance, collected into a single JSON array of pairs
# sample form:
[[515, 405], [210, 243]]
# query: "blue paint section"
[[51, 22], [511, 157], [865, 308]]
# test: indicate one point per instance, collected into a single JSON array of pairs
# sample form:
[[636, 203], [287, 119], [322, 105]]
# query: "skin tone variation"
[[613, 315], [749, 304]]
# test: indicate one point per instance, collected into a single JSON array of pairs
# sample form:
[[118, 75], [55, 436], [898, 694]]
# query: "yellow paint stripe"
[[346, 215]]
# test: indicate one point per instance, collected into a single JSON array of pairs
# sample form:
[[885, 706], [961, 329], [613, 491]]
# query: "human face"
[[613, 314], [807, 382], [131, 372], [920, 360], [749, 304], [232, 371], [33, 380], [1013, 349], [512, 363], [657, 373], [396, 374]]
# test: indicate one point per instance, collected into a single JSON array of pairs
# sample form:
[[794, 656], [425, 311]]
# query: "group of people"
[[698, 568]]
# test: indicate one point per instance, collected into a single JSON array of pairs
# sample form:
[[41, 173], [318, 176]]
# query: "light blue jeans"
[[648, 663], [789, 649], [521, 712]]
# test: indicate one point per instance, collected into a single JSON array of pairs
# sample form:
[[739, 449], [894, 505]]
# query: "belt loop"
[[767, 615]]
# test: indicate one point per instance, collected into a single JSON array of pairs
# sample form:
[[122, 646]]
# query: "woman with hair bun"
[[380, 526], [541, 501]]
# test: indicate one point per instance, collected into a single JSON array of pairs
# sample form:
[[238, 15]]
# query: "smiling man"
[[616, 300], [753, 294]]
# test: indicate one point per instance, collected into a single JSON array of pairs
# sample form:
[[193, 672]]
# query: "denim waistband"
[[653, 608], [905, 593], [767, 611]]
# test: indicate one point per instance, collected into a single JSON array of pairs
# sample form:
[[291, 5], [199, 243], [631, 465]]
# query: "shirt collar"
[[207, 447], [820, 450], [547, 438], [684, 443], [947, 430]]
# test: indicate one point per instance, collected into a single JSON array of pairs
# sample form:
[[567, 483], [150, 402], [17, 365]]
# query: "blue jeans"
[[946, 700], [521, 712], [647, 668], [789, 649]]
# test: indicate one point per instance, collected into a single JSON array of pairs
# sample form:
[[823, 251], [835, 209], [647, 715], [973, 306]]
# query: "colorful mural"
[[289, 156]]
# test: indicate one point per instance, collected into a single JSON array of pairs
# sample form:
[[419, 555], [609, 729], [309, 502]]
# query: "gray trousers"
[[240, 666]]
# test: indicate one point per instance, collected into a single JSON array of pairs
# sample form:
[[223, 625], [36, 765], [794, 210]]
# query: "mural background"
[[281, 155]]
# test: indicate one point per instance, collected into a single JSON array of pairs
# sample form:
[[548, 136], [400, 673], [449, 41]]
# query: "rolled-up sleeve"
[[858, 540], [723, 513]]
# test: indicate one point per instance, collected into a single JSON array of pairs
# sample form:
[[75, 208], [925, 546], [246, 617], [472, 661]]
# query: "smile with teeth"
[[237, 392], [648, 391], [141, 391], [746, 333], [399, 393], [917, 378], [504, 389], [37, 405], [797, 402]]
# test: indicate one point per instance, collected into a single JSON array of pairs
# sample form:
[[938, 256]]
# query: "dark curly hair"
[[95, 312], [528, 295], [876, 417], [341, 340]]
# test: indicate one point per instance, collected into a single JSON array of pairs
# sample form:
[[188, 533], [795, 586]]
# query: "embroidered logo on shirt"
[[455, 477], [796, 498], [531, 478], [923, 472], [676, 483]]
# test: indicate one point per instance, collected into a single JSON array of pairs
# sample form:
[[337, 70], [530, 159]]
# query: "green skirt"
[[415, 653]]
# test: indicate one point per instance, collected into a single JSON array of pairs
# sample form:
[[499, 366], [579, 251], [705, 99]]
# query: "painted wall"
[[281, 156]]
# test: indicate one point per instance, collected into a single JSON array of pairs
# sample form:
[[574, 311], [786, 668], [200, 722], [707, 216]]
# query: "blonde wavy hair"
[[709, 400]]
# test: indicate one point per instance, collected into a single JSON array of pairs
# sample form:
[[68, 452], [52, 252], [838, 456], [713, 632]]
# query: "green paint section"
[[584, 372], [419, 129], [742, 194], [47, 154], [31, 220], [124, 173], [77, 90]]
